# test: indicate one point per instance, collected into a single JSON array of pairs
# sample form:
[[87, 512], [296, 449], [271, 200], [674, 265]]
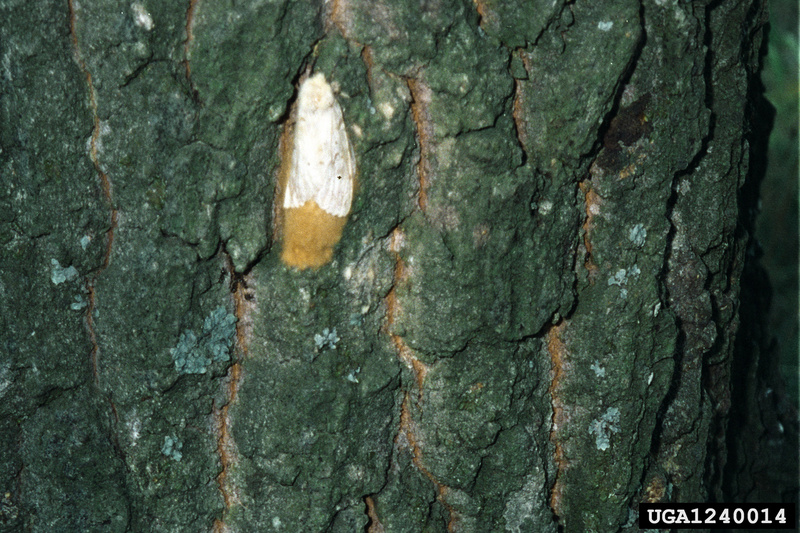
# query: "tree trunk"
[[528, 324]]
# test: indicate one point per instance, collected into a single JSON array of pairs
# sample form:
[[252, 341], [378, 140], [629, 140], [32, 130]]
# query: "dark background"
[[777, 224]]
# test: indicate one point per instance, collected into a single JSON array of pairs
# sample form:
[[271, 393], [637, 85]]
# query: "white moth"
[[323, 164]]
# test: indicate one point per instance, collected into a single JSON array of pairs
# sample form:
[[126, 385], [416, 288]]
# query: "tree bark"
[[528, 325]]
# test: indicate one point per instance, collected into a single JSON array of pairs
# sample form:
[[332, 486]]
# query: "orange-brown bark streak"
[[105, 186], [336, 16], [592, 201], [422, 119], [375, 525], [419, 370], [368, 59], [487, 18], [407, 426], [480, 8], [189, 40], [518, 111], [392, 309], [226, 447], [558, 353]]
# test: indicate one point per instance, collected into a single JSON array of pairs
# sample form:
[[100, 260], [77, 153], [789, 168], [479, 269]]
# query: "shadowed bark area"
[[541, 313]]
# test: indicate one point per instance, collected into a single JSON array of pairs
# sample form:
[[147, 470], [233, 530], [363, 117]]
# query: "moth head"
[[316, 92]]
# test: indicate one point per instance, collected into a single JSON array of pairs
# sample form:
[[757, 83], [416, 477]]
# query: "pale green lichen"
[[621, 277], [194, 354], [59, 274], [79, 303], [172, 448], [599, 371], [638, 235], [219, 329], [603, 427], [327, 339], [352, 376]]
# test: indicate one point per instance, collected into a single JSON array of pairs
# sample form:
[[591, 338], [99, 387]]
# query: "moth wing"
[[335, 193], [323, 164], [305, 165]]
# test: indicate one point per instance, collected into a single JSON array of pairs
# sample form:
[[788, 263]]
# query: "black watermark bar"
[[717, 516]]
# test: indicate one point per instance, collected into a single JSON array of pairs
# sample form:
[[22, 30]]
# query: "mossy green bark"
[[540, 265]]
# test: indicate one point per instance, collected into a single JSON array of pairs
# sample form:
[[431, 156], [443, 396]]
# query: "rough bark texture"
[[528, 325]]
